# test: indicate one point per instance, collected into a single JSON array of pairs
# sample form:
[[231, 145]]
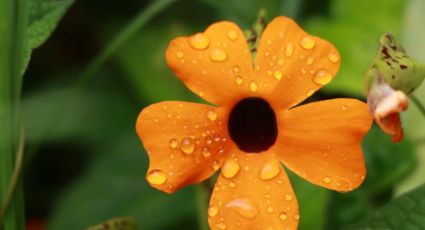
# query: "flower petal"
[[185, 142], [215, 64], [258, 195], [321, 142], [292, 64]]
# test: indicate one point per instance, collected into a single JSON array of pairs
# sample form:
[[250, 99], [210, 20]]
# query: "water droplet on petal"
[[230, 168], [288, 197], [173, 143], [236, 69], [253, 86], [322, 77], [283, 216], [232, 35], [307, 42], [343, 107], [212, 211], [289, 50], [244, 207], [206, 151], [187, 146], [296, 216], [221, 226], [309, 60], [211, 115], [215, 165], [199, 41], [232, 184], [270, 170], [238, 80], [309, 92], [179, 54], [156, 177], [280, 61], [333, 58], [326, 179], [277, 74], [218, 55], [270, 209]]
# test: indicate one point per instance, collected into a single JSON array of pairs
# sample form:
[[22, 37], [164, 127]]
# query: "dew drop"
[[221, 226], [187, 146], [322, 77], [215, 165], [283, 216], [212, 211], [232, 35], [206, 152], [333, 58], [244, 207], [307, 42], [296, 216], [326, 179], [253, 86], [270, 170], [156, 177], [280, 61], [238, 80], [343, 107], [270, 209], [218, 55], [236, 69], [173, 143], [288, 197], [179, 54], [230, 168], [309, 92], [277, 74], [309, 60], [211, 115], [199, 41], [289, 50]]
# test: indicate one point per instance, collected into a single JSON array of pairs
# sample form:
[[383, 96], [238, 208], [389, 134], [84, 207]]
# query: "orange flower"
[[254, 126]]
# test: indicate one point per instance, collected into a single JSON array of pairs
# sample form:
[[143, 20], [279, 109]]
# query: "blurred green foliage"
[[98, 121]]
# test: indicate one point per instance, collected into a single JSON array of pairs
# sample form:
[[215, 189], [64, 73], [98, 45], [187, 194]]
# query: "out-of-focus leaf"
[[44, 15], [387, 164], [355, 27], [120, 223], [114, 185], [143, 63], [405, 212], [413, 120]]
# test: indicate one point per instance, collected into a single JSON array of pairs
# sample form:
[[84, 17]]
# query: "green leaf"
[[44, 15], [405, 212], [355, 27]]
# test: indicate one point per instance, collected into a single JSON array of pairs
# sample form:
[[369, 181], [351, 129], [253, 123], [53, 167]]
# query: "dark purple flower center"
[[252, 125]]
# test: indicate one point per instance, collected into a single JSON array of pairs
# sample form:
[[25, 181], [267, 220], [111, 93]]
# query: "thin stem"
[[202, 193], [140, 20], [15, 176], [418, 104]]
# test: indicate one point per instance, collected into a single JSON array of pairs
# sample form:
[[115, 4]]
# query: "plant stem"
[[13, 23], [418, 104], [15, 176], [202, 193]]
